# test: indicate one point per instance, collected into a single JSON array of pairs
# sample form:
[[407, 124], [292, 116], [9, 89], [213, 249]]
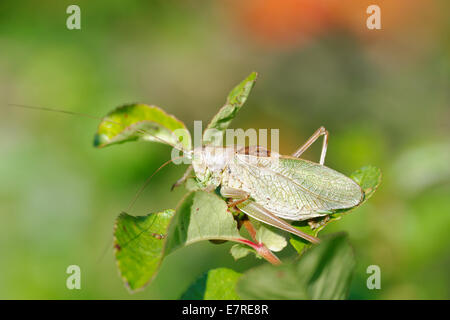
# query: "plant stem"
[[264, 252], [250, 228], [260, 247]]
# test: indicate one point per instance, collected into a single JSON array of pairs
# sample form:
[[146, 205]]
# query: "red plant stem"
[[268, 255], [248, 243], [260, 247], [251, 230], [262, 250]]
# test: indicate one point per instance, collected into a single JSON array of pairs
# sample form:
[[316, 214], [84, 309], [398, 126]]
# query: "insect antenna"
[[142, 131], [135, 198], [147, 181]]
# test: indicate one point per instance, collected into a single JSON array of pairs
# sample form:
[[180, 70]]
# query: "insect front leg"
[[319, 132], [180, 181]]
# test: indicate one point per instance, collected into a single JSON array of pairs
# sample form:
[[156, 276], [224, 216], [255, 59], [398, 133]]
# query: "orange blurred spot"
[[284, 22], [294, 22]]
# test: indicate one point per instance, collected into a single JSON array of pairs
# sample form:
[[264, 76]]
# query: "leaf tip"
[[99, 141], [253, 76]]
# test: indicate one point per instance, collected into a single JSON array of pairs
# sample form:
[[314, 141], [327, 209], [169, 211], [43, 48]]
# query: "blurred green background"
[[382, 94]]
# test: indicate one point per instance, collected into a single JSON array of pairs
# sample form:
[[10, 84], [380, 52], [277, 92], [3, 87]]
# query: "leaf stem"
[[264, 252], [250, 228], [260, 247]]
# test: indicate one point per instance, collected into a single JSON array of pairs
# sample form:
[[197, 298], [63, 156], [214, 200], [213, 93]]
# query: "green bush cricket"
[[269, 187]]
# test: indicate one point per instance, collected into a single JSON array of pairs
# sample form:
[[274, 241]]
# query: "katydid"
[[269, 188]]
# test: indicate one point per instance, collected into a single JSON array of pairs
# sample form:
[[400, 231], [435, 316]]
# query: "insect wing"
[[297, 189]]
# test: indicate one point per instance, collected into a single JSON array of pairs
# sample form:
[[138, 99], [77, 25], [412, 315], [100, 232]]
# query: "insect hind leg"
[[319, 132], [258, 212]]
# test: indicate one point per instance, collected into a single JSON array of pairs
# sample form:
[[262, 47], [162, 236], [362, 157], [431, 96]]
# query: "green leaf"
[[265, 234], [138, 243], [142, 242], [141, 122], [270, 236], [329, 268], [368, 177], [201, 216], [235, 100], [216, 284], [298, 243], [239, 251], [323, 272], [191, 184]]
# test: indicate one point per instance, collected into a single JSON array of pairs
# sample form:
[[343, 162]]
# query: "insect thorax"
[[209, 162]]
